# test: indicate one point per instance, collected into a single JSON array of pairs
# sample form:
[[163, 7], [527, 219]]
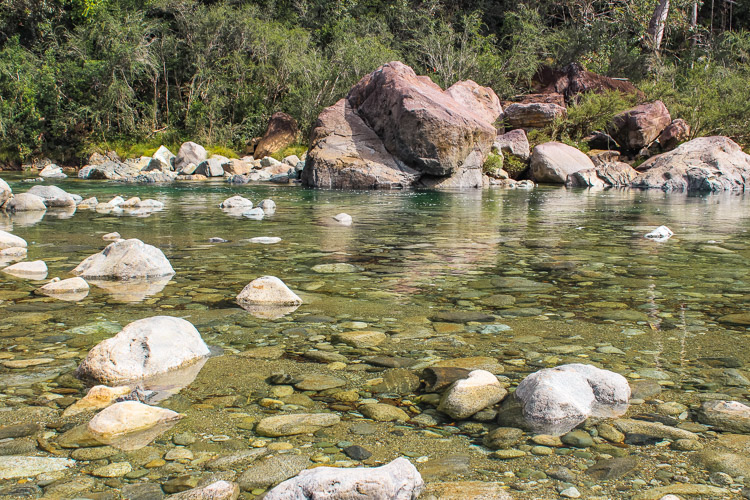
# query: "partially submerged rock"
[[36, 270], [70, 289], [467, 396], [398, 480], [8, 240], [704, 164], [25, 202], [343, 219], [53, 196], [615, 174], [289, 425], [130, 425], [143, 349], [52, 171], [661, 233], [125, 259], [236, 202], [98, 397], [553, 162], [5, 192], [555, 400]]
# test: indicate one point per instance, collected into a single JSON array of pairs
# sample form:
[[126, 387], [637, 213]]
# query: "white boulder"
[[144, 348], [256, 213], [236, 202], [8, 240], [343, 219], [398, 480], [25, 202], [53, 196], [129, 425], [268, 206], [125, 259], [71, 289], [555, 400], [267, 290], [36, 270], [52, 171], [189, 152]]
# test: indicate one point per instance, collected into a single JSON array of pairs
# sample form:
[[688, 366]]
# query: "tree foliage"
[[76, 73]]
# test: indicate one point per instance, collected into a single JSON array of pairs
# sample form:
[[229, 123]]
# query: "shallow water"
[[568, 271]]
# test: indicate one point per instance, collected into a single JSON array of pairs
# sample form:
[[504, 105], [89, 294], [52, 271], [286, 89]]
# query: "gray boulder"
[[703, 164], [211, 167], [110, 170], [398, 480], [25, 202], [189, 152], [52, 171], [555, 400], [553, 162], [125, 259], [514, 143], [53, 196], [143, 349]]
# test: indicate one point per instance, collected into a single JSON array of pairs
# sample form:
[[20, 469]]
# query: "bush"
[[492, 163]]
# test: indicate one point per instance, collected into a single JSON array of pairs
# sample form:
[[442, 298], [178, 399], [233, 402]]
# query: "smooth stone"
[[338, 268], [343, 219], [26, 363], [398, 381], [571, 492], [267, 290], [254, 213], [289, 425], [265, 240], [8, 240], [461, 317], [94, 453], [26, 202], [36, 270], [19, 430], [319, 383], [692, 490], [485, 363], [382, 412], [98, 397], [356, 452], [142, 491], [76, 288], [398, 480], [729, 416], [12, 467], [237, 459], [361, 338], [117, 469], [502, 437], [267, 205], [507, 454], [465, 490], [742, 319], [613, 468], [577, 438], [130, 425], [236, 202], [467, 396], [271, 471], [734, 464], [652, 429], [179, 453], [219, 490]]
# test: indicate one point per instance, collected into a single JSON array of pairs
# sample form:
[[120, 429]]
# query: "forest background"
[[78, 76]]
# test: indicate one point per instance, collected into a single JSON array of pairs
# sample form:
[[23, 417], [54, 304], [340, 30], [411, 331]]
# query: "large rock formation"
[[189, 152], [281, 133], [143, 349], [125, 259], [638, 127], [553, 162], [704, 164], [394, 127]]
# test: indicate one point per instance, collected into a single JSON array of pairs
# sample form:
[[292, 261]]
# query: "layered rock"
[[143, 349], [281, 133], [616, 174], [532, 115], [398, 480], [703, 164], [555, 400], [638, 127], [347, 154], [395, 127], [125, 259], [553, 162]]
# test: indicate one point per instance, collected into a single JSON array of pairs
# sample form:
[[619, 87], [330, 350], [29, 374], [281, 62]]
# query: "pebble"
[[571, 492], [117, 469]]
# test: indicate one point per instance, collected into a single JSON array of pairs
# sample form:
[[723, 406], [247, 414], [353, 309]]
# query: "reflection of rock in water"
[[24, 219], [68, 296], [62, 212], [269, 311], [134, 290], [165, 385]]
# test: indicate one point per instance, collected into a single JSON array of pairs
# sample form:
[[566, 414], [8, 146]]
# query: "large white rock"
[[555, 400], [35, 270], [553, 162], [5, 192], [52, 171], [343, 219], [8, 240], [143, 349], [189, 152], [129, 424], [125, 259], [398, 480], [267, 290], [53, 196], [165, 156], [467, 396], [25, 202]]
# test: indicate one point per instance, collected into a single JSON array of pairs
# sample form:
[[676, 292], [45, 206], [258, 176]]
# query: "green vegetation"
[[294, 149], [82, 75], [492, 163]]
